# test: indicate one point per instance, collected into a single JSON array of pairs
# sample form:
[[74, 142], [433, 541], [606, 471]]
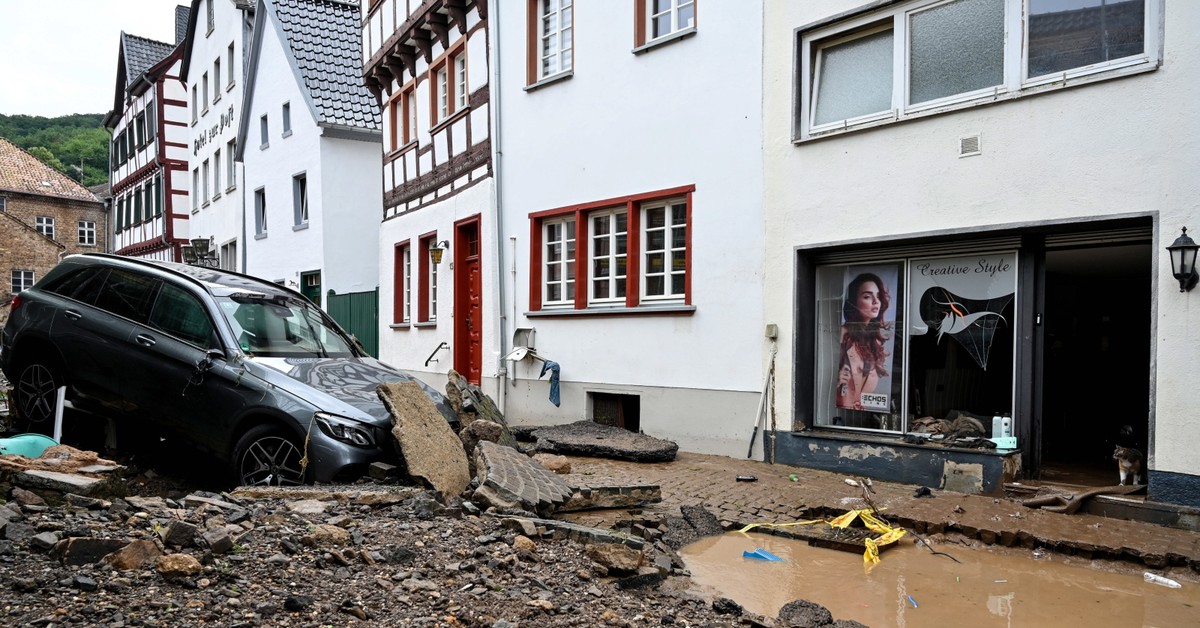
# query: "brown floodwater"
[[992, 587]]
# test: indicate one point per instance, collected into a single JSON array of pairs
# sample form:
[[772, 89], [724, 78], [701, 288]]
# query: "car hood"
[[349, 381]]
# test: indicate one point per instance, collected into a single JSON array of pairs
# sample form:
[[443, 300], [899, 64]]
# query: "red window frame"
[[633, 274], [398, 302], [447, 63], [424, 243]]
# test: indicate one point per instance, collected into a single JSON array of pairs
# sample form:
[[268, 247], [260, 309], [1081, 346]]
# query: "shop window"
[[903, 339]]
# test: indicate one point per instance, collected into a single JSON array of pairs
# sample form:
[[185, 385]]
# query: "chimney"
[[181, 23]]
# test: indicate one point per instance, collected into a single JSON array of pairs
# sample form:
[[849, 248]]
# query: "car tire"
[[267, 455], [35, 394]]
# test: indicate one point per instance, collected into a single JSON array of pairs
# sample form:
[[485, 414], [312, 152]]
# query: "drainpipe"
[[494, 88]]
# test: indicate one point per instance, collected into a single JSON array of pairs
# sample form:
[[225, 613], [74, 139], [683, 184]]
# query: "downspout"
[[494, 88]]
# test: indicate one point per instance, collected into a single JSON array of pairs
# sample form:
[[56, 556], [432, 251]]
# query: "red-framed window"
[[448, 85], [402, 118], [626, 252], [402, 278]]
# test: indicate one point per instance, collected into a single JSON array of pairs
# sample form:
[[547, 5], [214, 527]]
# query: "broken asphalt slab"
[[587, 438], [431, 449]]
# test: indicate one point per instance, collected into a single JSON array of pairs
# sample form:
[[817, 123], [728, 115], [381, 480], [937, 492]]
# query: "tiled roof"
[[325, 37], [22, 172], [140, 54], [181, 22]]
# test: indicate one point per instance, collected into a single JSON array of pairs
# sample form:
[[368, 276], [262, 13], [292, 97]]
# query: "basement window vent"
[[622, 411], [969, 145]]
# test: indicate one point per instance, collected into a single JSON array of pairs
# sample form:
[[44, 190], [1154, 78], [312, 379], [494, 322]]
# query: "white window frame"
[[21, 280], [45, 226], [566, 285], [230, 151], [260, 212], [287, 118], [460, 81], [216, 174], [441, 86], [300, 199], [562, 33], [229, 84], [204, 171], [433, 296], [1015, 83], [196, 188], [676, 5], [616, 283], [406, 284], [217, 80], [204, 84], [670, 253], [264, 132], [87, 233]]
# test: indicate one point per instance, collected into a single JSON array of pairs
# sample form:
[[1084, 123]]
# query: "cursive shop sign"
[[213, 132]]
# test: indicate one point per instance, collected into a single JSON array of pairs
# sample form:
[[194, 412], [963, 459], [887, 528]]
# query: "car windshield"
[[280, 326]]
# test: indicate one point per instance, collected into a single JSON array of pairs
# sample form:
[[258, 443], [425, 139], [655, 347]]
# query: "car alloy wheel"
[[36, 393], [269, 458]]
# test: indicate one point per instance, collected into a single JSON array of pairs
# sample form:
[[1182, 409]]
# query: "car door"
[[179, 377], [95, 311]]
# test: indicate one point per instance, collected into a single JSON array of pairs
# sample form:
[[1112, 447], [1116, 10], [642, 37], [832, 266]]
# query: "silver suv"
[[244, 369]]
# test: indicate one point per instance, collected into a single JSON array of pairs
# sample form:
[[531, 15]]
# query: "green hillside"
[[72, 140]]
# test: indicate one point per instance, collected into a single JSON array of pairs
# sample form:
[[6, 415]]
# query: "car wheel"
[[36, 395], [269, 456]]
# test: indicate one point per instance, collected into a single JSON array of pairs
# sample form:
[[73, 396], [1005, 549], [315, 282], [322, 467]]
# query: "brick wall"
[[22, 249], [66, 214]]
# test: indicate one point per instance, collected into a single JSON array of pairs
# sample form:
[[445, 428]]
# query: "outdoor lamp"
[[435, 252], [189, 254], [200, 245], [1183, 261]]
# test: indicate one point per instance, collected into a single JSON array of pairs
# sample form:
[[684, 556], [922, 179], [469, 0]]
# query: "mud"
[[991, 587]]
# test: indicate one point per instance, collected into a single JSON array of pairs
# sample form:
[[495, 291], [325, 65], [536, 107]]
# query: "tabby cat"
[[1129, 463]]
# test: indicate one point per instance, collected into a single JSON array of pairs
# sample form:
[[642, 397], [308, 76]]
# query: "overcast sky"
[[60, 57]]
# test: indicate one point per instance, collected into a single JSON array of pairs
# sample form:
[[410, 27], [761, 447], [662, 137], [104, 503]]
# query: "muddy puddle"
[[989, 588]]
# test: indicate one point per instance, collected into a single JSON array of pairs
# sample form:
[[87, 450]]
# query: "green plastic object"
[[28, 445]]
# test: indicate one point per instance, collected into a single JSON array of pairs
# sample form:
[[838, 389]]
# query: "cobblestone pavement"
[[711, 481]]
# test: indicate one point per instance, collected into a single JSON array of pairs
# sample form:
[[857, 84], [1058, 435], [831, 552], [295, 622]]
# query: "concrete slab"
[[431, 449]]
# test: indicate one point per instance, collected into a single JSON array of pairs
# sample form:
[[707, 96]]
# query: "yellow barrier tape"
[[871, 555]]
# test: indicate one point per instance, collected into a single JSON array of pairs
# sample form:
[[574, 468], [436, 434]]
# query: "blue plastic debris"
[[761, 554], [28, 445], [914, 602]]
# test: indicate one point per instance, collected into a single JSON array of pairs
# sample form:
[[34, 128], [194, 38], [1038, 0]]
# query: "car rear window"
[[127, 294], [82, 285]]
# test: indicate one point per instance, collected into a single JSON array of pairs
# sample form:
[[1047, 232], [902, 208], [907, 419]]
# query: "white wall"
[[349, 208], [685, 113], [1115, 147], [222, 217]]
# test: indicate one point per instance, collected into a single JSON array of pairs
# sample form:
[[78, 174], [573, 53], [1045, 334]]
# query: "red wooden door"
[[468, 301]]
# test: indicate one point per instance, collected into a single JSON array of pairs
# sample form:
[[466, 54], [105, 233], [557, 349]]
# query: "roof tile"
[[22, 172]]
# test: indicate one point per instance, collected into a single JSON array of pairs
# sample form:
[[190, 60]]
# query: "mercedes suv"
[[241, 368]]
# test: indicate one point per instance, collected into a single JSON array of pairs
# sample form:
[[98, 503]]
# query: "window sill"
[[425, 325], [229, 86], [195, 210], [205, 204], [450, 119], [287, 133], [217, 98], [263, 146], [553, 78], [1026, 91], [230, 189], [399, 326], [300, 227], [646, 310], [392, 156], [216, 196], [260, 236], [664, 40]]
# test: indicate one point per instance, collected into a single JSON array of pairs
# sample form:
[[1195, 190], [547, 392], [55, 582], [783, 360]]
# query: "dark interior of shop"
[[1096, 385]]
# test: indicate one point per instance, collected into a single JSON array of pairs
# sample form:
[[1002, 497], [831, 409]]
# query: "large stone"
[[139, 554], [469, 402], [326, 535], [431, 449], [804, 614], [78, 551], [179, 533], [55, 481], [177, 565], [618, 559], [587, 438], [555, 463], [515, 478]]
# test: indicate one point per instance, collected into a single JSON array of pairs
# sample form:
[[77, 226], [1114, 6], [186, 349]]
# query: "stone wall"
[[66, 213], [22, 248]]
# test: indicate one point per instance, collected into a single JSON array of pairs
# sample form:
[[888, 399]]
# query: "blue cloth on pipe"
[[553, 368]]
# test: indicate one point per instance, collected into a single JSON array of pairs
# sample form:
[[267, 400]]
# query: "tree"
[[79, 140], [45, 155]]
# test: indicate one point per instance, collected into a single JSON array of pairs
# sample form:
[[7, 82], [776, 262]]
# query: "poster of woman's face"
[[867, 340]]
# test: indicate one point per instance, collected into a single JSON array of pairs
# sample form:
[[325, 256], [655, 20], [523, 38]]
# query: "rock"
[[587, 438], [557, 464], [27, 498], [644, 579], [382, 470], [702, 521], [726, 606], [45, 540], [78, 551], [177, 565], [137, 555], [515, 478], [325, 535], [618, 559], [84, 583], [804, 614], [431, 449], [477, 431], [148, 504], [17, 532], [522, 542], [470, 403], [91, 503], [308, 507], [218, 541], [179, 534], [59, 482], [297, 603]]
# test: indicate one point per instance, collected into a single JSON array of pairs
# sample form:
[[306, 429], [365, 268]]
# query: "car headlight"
[[345, 430]]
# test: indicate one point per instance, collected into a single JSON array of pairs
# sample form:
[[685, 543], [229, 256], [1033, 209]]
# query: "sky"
[[59, 57]]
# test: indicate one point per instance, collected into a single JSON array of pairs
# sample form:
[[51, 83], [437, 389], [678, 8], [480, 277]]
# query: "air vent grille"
[[969, 145]]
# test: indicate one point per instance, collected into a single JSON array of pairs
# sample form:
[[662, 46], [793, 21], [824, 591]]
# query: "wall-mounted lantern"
[[436, 251], [199, 253], [1183, 261]]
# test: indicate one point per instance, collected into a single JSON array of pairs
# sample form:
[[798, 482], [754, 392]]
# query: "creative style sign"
[[867, 339], [962, 297]]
